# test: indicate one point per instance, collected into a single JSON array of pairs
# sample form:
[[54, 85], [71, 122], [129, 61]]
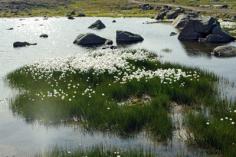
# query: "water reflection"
[[194, 49]]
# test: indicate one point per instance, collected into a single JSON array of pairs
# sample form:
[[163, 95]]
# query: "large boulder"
[[124, 37], [180, 21], [197, 28], [97, 25], [219, 36], [225, 51], [22, 44], [204, 29], [183, 19], [89, 39]]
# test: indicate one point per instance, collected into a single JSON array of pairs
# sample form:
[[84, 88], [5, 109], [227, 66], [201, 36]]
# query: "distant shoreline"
[[102, 8]]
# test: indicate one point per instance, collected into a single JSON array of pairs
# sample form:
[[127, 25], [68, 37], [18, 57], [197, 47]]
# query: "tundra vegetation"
[[111, 8], [114, 8]]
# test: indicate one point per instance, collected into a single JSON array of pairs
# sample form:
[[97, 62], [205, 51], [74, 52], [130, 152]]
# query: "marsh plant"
[[119, 91]]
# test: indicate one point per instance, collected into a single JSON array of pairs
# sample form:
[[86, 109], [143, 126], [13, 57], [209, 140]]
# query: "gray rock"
[[225, 36], [166, 8], [45, 18], [43, 36], [173, 33], [197, 28], [146, 7], [183, 19], [109, 42], [81, 15], [158, 7], [97, 25], [161, 15], [221, 6], [217, 38], [225, 51], [174, 13], [89, 39], [203, 29], [70, 17], [22, 44], [124, 37]]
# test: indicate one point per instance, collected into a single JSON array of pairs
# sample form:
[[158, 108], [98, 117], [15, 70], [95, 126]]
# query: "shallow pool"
[[19, 138]]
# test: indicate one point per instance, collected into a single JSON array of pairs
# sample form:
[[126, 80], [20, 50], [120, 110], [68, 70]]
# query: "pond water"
[[19, 138]]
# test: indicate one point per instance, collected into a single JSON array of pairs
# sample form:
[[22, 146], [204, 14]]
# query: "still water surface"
[[19, 138]]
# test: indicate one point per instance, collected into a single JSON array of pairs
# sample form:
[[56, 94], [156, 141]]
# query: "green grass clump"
[[215, 127], [97, 101]]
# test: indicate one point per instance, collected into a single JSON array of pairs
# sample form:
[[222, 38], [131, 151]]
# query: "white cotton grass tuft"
[[111, 61]]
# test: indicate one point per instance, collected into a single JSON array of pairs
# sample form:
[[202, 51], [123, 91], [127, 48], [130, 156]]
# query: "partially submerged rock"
[[173, 33], [124, 37], [43, 36], [219, 36], [9, 29], [22, 44], [225, 51], [196, 28], [70, 17], [97, 25], [45, 18], [89, 39], [203, 29]]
